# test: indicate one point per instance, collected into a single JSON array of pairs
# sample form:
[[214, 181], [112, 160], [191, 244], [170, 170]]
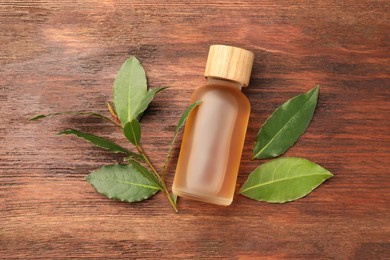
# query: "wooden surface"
[[63, 55]]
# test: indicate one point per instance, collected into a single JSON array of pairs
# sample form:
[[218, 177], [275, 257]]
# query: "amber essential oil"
[[215, 131]]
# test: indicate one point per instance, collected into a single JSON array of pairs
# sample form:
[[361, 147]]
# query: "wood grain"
[[63, 55]]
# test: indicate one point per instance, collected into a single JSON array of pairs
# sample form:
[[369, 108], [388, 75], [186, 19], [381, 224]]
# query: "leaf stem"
[[164, 187], [114, 122], [142, 152], [169, 197], [164, 169]]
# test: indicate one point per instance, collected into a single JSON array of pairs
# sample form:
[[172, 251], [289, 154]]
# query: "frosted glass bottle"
[[215, 131]]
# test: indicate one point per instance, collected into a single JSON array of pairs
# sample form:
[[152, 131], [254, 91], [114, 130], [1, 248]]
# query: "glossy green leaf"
[[284, 179], [180, 124], [122, 182], [283, 128], [145, 172], [146, 101], [132, 131], [102, 143], [37, 117], [130, 88]]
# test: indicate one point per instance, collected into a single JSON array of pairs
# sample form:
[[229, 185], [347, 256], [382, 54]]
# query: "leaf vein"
[[279, 180], [135, 184]]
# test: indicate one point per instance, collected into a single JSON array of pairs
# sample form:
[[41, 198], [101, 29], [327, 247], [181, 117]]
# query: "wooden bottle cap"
[[229, 63]]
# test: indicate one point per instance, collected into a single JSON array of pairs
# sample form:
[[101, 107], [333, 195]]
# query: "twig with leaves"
[[277, 181], [129, 181]]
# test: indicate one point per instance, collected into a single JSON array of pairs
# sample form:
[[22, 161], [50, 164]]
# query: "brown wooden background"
[[63, 55]]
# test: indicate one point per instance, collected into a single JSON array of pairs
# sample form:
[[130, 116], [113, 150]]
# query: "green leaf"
[[146, 101], [102, 143], [283, 128], [122, 182], [37, 117], [284, 179], [145, 172], [181, 123], [130, 88], [186, 114], [174, 198], [132, 131]]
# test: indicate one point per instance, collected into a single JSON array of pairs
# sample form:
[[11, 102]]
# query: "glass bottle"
[[215, 131]]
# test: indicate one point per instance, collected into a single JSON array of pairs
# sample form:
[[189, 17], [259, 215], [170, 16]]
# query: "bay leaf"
[[102, 143], [132, 131], [145, 172], [283, 128], [130, 88], [186, 114], [83, 113], [146, 101], [284, 179], [122, 182]]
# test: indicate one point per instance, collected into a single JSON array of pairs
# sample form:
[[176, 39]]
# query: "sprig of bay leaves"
[[129, 181], [136, 179]]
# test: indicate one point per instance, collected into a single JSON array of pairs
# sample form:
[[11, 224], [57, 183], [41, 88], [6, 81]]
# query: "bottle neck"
[[224, 82]]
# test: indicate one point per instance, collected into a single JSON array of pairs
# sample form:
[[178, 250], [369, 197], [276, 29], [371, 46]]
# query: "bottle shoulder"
[[234, 93]]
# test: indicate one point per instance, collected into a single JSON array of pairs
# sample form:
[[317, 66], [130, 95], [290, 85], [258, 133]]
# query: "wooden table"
[[63, 55]]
